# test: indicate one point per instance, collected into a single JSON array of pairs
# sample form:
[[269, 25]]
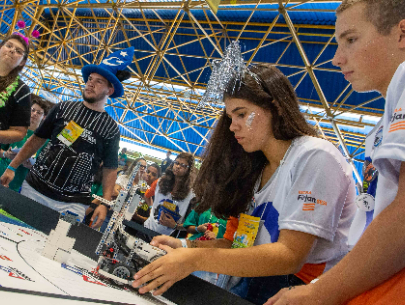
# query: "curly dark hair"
[[5, 81], [167, 182], [228, 174]]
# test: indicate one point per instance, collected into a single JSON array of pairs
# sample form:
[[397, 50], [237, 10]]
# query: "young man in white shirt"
[[371, 55]]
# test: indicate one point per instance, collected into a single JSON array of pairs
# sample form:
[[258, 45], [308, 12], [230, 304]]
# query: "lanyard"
[[275, 175], [89, 124]]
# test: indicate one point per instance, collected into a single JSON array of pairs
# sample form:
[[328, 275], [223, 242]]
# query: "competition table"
[[26, 275]]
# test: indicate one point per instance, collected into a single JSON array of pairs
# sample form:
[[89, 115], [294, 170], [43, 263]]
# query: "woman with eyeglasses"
[[291, 195], [172, 196], [39, 109], [122, 180], [14, 93]]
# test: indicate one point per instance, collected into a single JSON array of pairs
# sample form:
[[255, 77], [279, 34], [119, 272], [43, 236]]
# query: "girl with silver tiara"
[[287, 194]]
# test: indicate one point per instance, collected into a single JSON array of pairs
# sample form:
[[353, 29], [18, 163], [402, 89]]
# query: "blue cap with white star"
[[109, 67]]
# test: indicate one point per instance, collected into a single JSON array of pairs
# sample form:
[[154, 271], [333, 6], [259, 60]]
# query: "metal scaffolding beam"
[[175, 43]]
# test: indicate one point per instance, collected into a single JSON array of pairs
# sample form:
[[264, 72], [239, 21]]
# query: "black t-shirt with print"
[[66, 173], [17, 109]]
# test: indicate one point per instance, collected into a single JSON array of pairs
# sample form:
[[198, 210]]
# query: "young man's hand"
[[100, 213]]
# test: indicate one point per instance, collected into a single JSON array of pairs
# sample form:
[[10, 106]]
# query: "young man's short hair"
[[383, 14]]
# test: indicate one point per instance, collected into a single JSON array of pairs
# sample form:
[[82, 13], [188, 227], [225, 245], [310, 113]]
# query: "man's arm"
[[109, 177], [13, 134], [30, 147], [361, 269]]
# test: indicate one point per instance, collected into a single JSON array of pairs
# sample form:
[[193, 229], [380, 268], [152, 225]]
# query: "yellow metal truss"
[[64, 32]]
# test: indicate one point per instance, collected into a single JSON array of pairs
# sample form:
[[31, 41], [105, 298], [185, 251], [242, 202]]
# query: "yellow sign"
[[70, 133], [169, 206], [247, 230]]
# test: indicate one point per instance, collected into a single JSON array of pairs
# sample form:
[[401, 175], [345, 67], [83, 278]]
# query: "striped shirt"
[[67, 173]]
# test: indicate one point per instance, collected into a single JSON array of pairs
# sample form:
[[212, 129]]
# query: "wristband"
[[196, 229], [183, 242], [4, 156], [93, 206], [314, 281], [11, 168]]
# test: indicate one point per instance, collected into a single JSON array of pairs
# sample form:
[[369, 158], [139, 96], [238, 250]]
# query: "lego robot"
[[120, 254]]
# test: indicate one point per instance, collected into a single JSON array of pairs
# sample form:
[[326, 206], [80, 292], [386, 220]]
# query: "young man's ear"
[[401, 28], [110, 91]]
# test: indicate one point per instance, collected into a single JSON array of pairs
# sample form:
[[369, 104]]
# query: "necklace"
[[8, 91], [282, 162]]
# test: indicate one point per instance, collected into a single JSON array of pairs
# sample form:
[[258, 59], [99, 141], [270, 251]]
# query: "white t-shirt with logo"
[[389, 152], [152, 222], [313, 191]]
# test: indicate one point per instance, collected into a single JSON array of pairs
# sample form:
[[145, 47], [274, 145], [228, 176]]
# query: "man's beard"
[[92, 100]]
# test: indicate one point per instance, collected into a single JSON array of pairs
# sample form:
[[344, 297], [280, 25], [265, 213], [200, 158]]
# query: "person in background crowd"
[[122, 181], [153, 173], [371, 54], [151, 177], [172, 196], [166, 162], [123, 170], [82, 135], [15, 100], [39, 110], [122, 157], [264, 165], [205, 226]]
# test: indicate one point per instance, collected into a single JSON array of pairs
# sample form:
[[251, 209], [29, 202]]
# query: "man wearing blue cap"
[[82, 136]]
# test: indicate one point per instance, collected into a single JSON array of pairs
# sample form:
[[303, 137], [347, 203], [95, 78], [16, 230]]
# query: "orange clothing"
[[150, 192], [231, 227], [308, 271], [387, 293]]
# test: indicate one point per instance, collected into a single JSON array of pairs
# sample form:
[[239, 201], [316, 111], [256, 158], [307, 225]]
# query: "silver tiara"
[[231, 67]]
